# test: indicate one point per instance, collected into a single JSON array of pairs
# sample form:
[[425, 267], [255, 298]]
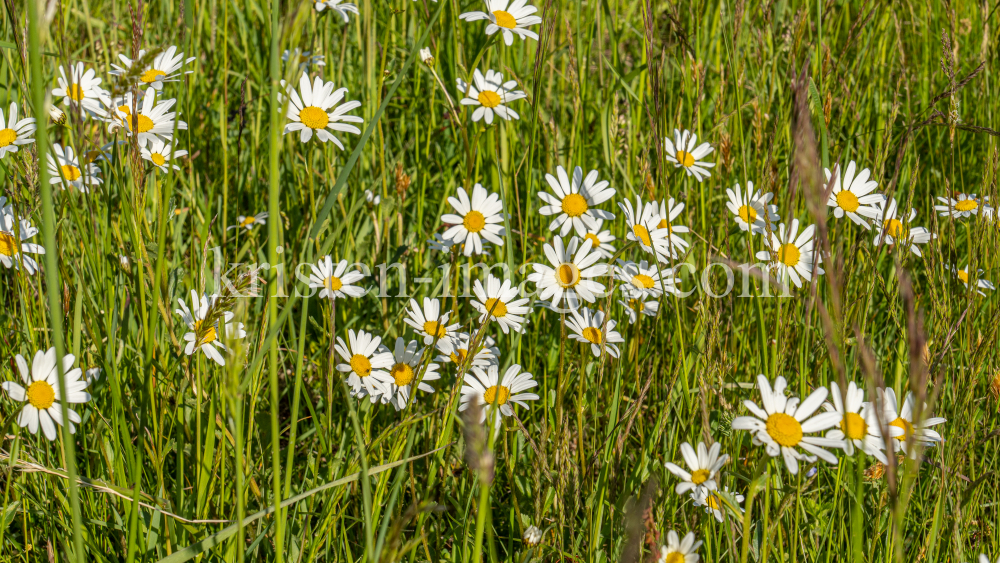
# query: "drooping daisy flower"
[[41, 392], [81, 89], [65, 167], [750, 209], [601, 239], [14, 133], [367, 367], [430, 321], [714, 503], [309, 110], [486, 387], [589, 328], [665, 217], [644, 280], [963, 276], [783, 424], [570, 274], [160, 154], [635, 306], [491, 94], [917, 431], [705, 465], [574, 201], [338, 7], [532, 536], [56, 115], [498, 300], [335, 282], [685, 153], [249, 222], [306, 60], [852, 195], [165, 67], [13, 231], [154, 120], [477, 219], [205, 337], [456, 350], [895, 231], [791, 253], [405, 370], [679, 551], [507, 17], [966, 205], [642, 224], [859, 426]]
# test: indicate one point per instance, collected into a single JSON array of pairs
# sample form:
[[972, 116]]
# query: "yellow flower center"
[[496, 395], [848, 201], [498, 307], [686, 159], [905, 425], [700, 476], [332, 283], [152, 75], [894, 228], [641, 233], [435, 329], [458, 356], [642, 281], [403, 374], [145, 123], [75, 92], [784, 429], [853, 426], [592, 334], [964, 276], [504, 19], [713, 502], [967, 205], [594, 241], [636, 305], [41, 395], [663, 224], [789, 254], [313, 117], [567, 275], [157, 158], [748, 214], [70, 172], [489, 98], [474, 221], [361, 365], [8, 246], [574, 205], [206, 336], [674, 557], [249, 221], [7, 137]]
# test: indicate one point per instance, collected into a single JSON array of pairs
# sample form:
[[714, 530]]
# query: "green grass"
[[180, 459]]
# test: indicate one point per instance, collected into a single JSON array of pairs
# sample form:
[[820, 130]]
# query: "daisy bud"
[[426, 56]]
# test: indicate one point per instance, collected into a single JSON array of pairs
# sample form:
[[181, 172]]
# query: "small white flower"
[[306, 60], [371, 198], [498, 300], [570, 274], [405, 370], [791, 253], [205, 338], [335, 282], [635, 306], [916, 430], [81, 89], [509, 18], [477, 219], [532, 536], [41, 395], [852, 194], [859, 426], [337, 7], [897, 231], [664, 221], [65, 167], [488, 389], [248, 222], [160, 154], [154, 120], [574, 201], [14, 234], [14, 133], [367, 366], [309, 111], [705, 464], [715, 502], [430, 321], [642, 222], [963, 276], [601, 239], [590, 328], [965, 206], [491, 94], [679, 551], [643, 280], [456, 350], [751, 209], [165, 67], [426, 56], [685, 153]]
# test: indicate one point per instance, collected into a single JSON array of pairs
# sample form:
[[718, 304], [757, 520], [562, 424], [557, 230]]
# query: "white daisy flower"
[[509, 18], [791, 253], [14, 235], [309, 110], [679, 551], [664, 218], [249, 222], [477, 219], [338, 7], [491, 94], [430, 321], [367, 367], [574, 201], [705, 465], [859, 425], [207, 339], [81, 89], [965, 206], [335, 282], [165, 67], [750, 209], [488, 389], [917, 431], [635, 306], [715, 504], [783, 424], [65, 167], [456, 350], [306, 60], [963, 276], [498, 300], [589, 328], [160, 154], [444, 245], [154, 119], [405, 370], [642, 224], [40, 393], [896, 232], [644, 280], [685, 153], [14, 133], [601, 239], [852, 194], [570, 274]]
